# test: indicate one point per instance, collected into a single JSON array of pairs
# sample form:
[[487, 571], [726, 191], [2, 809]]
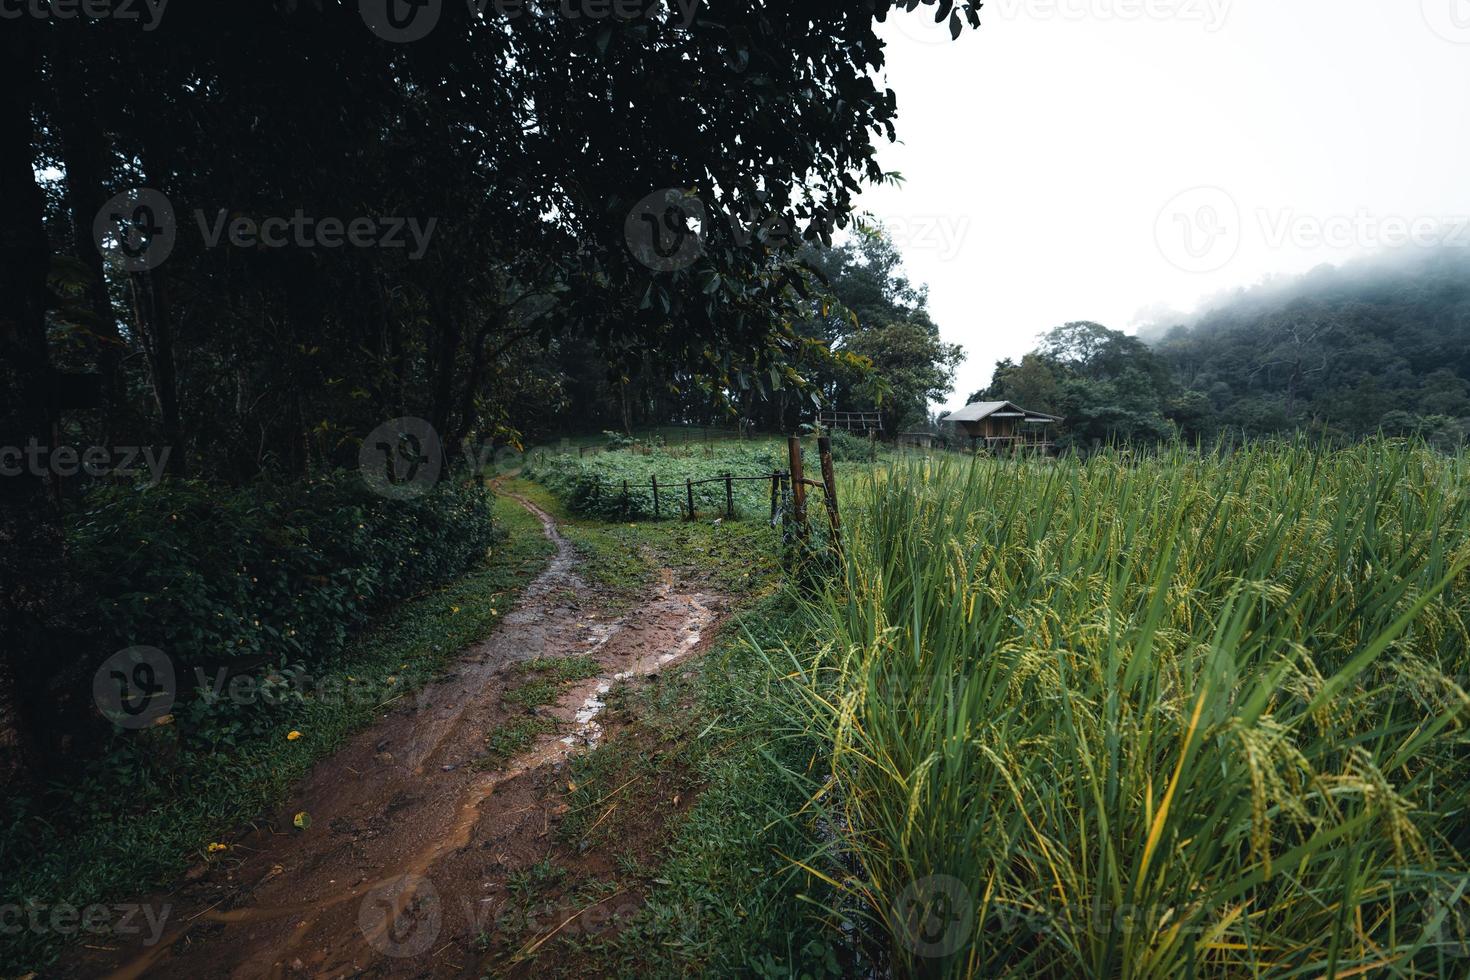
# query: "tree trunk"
[[31, 545], [152, 290], [155, 291], [449, 332], [84, 154]]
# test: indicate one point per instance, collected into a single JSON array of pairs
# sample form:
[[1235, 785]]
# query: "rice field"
[[1193, 715]]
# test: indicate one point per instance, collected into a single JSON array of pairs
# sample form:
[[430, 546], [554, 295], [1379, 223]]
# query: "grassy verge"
[[727, 898], [624, 558], [119, 830], [691, 797]]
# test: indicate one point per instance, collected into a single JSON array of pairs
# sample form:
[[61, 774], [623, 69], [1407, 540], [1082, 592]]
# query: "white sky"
[[1053, 158]]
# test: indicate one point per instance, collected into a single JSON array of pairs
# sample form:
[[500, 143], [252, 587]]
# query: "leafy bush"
[[277, 572], [848, 448]]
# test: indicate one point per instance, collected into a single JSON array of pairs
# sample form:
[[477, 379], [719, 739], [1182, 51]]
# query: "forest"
[[1343, 352]]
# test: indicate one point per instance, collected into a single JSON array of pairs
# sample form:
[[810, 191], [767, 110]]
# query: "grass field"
[[1184, 716], [594, 485]]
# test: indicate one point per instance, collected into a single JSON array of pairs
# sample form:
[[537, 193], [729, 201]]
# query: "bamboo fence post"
[[775, 493], [829, 484], [689, 489], [729, 498], [798, 488], [654, 479]]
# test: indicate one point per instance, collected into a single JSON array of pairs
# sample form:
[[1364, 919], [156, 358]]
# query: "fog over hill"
[[1381, 344]]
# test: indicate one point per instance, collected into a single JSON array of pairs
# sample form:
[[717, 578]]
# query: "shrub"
[[273, 572], [848, 448]]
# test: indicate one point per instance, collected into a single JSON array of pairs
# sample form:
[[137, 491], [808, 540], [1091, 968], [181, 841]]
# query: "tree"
[[527, 149]]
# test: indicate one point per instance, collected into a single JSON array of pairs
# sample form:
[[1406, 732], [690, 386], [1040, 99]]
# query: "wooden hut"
[[1004, 426], [920, 440]]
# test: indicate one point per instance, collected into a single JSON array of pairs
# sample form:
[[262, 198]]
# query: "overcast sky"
[[1108, 159]]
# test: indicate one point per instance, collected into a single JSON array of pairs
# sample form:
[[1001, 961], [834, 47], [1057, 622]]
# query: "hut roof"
[[975, 411]]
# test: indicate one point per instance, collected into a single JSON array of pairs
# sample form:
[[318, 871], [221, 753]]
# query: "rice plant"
[[1192, 715]]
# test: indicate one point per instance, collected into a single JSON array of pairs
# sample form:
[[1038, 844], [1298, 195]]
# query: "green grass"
[[511, 738], [1152, 717], [118, 831], [724, 898], [593, 486], [552, 674], [624, 557]]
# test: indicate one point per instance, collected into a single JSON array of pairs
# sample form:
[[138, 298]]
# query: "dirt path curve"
[[403, 867]]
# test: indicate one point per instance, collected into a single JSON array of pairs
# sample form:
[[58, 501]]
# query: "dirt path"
[[403, 869]]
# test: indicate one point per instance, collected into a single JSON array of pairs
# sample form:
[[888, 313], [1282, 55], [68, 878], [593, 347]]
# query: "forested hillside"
[[1346, 351]]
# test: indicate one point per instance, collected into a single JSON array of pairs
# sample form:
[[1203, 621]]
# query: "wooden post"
[[654, 479], [689, 489], [729, 498], [829, 484], [798, 488], [775, 493]]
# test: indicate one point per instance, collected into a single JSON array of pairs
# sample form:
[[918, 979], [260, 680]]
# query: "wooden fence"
[[791, 483]]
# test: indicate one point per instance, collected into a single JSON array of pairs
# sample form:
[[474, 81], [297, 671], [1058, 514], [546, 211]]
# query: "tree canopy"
[[251, 235]]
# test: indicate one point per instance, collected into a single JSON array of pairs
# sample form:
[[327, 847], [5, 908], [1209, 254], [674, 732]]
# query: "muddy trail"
[[413, 837]]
